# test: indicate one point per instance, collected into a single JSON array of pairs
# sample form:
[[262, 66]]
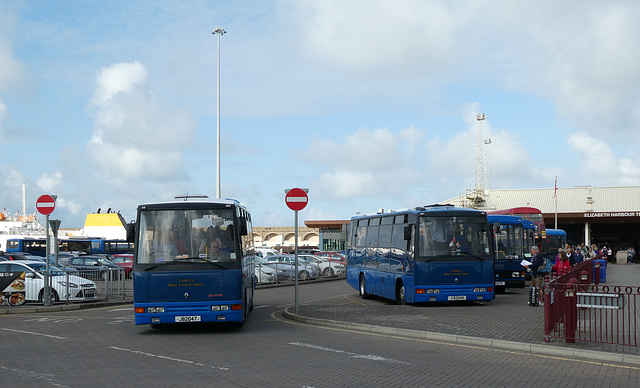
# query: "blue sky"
[[369, 104]]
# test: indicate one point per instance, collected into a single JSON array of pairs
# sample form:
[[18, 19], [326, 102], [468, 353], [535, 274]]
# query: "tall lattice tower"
[[478, 195]]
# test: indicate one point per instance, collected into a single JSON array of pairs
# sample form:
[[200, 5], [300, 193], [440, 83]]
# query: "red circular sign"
[[296, 199], [45, 204]]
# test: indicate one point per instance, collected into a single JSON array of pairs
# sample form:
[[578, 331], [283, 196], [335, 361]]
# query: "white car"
[[265, 252], [328, 268], [63, 285]]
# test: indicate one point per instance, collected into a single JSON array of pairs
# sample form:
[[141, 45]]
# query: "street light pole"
[[220, 32]]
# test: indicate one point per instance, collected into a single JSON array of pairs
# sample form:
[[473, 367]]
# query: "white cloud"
[[50, 183], [136, 136], [602, 164]]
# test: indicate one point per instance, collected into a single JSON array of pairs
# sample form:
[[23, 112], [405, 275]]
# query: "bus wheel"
[[362, 289], [400, 298]]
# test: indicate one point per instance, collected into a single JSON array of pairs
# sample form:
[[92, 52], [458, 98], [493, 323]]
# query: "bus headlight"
[[429, 291], [480, 289], [155, 309], [515, 274], [223, 307]]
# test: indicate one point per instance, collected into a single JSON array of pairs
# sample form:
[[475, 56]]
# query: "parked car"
[[124, 260], [266, 268], [63, 257], [306, 270], [333, 256], [95, 267], [328, 269], [64, 286], [264, 252], [21, 256]]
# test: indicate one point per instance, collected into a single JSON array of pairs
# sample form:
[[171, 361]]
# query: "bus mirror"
[[407, 233], [496, 228], [131, 231]]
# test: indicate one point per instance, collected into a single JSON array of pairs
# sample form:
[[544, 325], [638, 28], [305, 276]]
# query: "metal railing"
[[70, 287], [578, 308]]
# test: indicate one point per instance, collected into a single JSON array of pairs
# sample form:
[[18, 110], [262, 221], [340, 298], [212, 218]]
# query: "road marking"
[[369, 357], [261, 307], [127, 309], [169, 358], [30, 332], [40, 378]]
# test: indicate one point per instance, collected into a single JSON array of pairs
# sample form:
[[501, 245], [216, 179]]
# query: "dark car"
[[95, 267]]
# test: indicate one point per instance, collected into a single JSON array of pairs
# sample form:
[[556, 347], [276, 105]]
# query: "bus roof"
[[556, 232], [424, 210], [504, 219], [191, 203], [526, 224], [517, 210]]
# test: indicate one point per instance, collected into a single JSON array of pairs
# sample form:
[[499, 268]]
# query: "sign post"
[[45, 206], [296, 199]]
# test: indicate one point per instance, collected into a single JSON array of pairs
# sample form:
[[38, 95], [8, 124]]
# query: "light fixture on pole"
[[220, 32]]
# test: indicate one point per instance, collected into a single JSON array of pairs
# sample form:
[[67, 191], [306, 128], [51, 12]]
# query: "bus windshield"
[[453, 236], [186, 236]]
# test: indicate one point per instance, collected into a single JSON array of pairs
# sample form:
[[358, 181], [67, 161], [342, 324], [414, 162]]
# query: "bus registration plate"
[[457, 297], [191, 318], [499, 283]]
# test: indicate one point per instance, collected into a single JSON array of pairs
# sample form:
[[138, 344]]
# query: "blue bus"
[[556, 239], [193, 262], [529, 230], [508, 237], [111, 247], [434, 253], [33, 245]]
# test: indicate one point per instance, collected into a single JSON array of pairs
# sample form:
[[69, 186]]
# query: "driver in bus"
[[162, 246]]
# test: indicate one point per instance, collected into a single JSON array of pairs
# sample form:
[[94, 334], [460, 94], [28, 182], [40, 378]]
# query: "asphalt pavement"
[[507, 322]]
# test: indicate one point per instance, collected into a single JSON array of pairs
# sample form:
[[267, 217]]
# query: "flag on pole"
[[555, 190]]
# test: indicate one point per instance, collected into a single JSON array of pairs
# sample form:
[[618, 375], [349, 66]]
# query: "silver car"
[[306, 270]]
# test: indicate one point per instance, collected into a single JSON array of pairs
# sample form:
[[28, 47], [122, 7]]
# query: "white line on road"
[[167, 358], [30, 332], [350, 354]]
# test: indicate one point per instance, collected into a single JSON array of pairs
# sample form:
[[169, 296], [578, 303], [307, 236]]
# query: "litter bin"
[[603, 269]]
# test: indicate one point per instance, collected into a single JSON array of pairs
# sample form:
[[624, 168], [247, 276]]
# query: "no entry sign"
[[296, 199], [45, 204]]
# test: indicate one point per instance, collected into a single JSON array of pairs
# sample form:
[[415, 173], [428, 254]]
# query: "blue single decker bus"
[[556, 239], [434, 253], [509, 240], [193, 262]]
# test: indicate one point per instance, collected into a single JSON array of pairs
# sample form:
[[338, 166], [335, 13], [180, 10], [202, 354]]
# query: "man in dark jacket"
[[536, 276]]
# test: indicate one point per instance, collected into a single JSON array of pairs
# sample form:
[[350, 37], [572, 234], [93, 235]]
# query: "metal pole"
[[47, 275], [220, 32], [296, 257]]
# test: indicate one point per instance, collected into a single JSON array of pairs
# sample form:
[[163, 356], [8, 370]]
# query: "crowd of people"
[[569, 256]]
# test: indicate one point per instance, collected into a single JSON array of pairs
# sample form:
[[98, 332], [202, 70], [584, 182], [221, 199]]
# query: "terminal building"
[[608, 216]]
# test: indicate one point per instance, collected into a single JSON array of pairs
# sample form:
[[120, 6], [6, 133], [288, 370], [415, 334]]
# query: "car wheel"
[[54, 296], [328, 272], [400, 296], [303, 275], [362, 288]]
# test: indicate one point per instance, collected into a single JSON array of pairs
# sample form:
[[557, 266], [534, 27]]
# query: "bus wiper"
[[183, 260]]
